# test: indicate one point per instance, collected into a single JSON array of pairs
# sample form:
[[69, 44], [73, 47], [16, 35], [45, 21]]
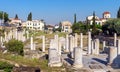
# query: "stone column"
[[43, 43], [81, 40], [112, 55], [77, 57], [59, 49], [97, 46], [5, 36], [10, 35], [71, 44], [104, 44], [67, 43], [118, 47], [34, 46], [75, 40], [1, 39], [31, 43], [92, 47], [54, 59], [16, 34], [27, 32], [115, 39], [56, 41], [89, 43]]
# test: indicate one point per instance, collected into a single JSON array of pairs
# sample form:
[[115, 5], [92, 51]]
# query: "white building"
[[99, 21], [56, 26], [34, 25], [66, 26], [15, 21], [106, 15]]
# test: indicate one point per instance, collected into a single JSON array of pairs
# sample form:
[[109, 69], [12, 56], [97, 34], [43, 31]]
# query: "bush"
[[15, 46], [5, 66]]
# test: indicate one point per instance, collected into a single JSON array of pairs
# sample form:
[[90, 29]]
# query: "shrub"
[[15, 46]]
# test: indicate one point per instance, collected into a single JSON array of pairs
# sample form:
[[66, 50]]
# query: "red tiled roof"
[[106, 12]]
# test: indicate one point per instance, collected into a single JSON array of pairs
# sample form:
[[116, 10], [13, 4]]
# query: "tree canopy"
[[112, 26], [79, 27]]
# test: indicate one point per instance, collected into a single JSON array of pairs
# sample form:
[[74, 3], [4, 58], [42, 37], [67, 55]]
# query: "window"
[[66, 27]]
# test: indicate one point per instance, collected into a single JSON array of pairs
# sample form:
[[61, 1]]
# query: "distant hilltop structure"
[[99, 21]]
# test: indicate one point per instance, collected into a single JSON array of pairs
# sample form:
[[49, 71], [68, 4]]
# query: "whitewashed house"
[[66, 26], [34, 25]]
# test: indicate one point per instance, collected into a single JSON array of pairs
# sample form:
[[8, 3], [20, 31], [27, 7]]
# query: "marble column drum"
[[77, 57]]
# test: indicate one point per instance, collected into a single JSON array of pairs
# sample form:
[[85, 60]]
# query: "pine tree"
[[29, 17], [118, 13], [75, 18]]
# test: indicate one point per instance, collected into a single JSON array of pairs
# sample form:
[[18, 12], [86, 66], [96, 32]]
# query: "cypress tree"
[[87, 24], [29, 17], [94, 26], [16, 16], [75, 18], [118, 13]]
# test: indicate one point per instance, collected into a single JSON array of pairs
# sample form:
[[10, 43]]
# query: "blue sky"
[[54, 11]]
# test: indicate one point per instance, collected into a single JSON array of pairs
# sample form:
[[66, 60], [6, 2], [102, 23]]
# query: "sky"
[[55, 11]]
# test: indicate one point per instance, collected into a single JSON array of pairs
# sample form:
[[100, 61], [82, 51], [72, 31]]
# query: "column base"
[[77, 66], [54, 64]]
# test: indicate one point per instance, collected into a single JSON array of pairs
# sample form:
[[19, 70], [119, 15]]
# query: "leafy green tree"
[[29, 17], [16, 16], [15, 46], [79, 27], [111, 26], [118, 13]]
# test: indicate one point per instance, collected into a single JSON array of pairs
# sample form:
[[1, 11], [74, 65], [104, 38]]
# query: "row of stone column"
[[113, 52], [13, 34]]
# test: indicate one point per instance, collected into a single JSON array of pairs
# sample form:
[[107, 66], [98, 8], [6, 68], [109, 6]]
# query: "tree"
[[95, 31], [118, 13], [15, 46], [111, 26], [75, 18], [16, 16], [87, 24], [4, 15], [29, 17], [78, 27], [94, 27]]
